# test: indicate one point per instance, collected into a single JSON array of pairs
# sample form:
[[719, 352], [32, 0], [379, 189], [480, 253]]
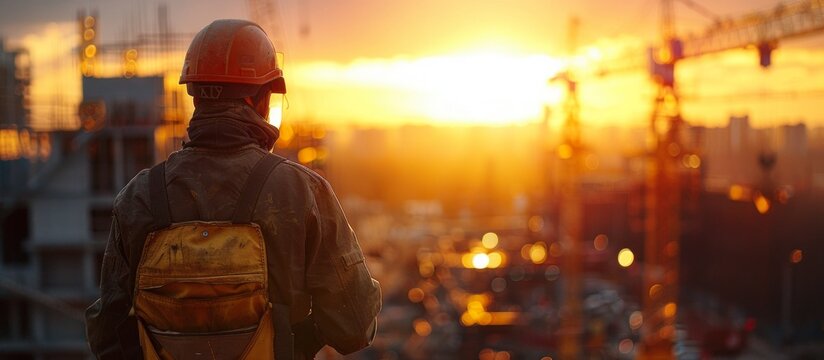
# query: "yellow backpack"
[[202, 289]]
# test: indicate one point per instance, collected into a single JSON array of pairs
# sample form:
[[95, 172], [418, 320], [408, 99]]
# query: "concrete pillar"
[[38, 324], [89, 284], [117, 156], [15, 319]]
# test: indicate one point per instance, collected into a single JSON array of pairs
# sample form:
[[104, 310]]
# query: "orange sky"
[[446, 62]]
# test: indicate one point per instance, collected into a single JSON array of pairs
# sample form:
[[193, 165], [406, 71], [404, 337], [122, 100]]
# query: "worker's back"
[[205, 184], [313, 270], [314, 261], [201, 287]]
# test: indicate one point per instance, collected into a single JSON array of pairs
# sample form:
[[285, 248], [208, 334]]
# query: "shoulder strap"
[[158, 199], [247, 201]]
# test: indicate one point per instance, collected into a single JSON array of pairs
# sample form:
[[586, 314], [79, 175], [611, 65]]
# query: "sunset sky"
[[448, 62]]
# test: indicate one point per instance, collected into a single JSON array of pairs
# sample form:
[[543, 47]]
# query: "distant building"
[[739, 130], [54, 230], [816, 144], [730, 155], [16, 140], [14, 87], [792, 139], [793, 161]]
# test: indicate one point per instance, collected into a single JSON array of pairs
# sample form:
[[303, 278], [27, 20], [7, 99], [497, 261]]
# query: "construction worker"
[[225, 250]]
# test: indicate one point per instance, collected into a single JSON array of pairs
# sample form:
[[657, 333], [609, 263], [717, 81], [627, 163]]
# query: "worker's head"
[[233, 59]]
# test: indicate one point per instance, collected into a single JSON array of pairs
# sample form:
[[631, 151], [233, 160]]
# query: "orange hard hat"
[[231, 59]]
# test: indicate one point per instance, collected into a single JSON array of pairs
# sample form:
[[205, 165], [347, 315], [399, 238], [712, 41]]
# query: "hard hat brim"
[[230, 79]]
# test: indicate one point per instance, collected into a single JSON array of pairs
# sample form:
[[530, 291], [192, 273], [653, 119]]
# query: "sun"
[[479, 87]]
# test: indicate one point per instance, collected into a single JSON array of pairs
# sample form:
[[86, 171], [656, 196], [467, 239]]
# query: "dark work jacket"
[[315, 262]]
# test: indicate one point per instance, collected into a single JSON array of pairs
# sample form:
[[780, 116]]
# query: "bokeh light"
[[496, 259], [552, 272], [489, 240], [636, 319], [670, 309], [625, 257], [535, 223], [625, 346], [537, 253], [415, 295], [422, 327], [796, 256], [655, 290], [600, 243], [498, 284], [480, 261], [762, 204]]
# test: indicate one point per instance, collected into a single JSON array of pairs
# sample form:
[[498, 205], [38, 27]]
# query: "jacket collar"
[[229, 124]]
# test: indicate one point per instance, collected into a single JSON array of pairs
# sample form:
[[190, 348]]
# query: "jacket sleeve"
[[105, 317], [345, 298]]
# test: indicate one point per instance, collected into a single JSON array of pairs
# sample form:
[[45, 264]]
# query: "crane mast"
[[571, 154], [265, 13], [663, 194]]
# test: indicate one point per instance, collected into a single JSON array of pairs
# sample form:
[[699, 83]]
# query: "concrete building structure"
[[14, 86], [14, 115], [54, 230]]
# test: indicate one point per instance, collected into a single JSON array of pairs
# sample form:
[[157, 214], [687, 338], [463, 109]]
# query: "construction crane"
[[762, 30], [265, 13], [663, 197], [571, 154]]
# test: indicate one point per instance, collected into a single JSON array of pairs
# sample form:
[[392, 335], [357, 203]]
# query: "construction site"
[[659, 197]]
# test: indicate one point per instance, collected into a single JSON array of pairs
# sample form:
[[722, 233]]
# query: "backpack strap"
[[158, 199], [250, 193], [246, 203]]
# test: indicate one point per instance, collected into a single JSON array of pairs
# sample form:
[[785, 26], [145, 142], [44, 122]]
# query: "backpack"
[[201, 287]]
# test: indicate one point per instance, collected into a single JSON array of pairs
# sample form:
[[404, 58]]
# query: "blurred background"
[[530, 179]]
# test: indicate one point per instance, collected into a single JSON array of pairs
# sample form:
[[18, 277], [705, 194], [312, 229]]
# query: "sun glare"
[[487, 88], [276, 109]]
